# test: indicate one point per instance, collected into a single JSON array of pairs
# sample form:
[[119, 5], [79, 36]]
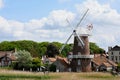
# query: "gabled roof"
[[52, 59], [64, 61], [99, 60], [113, 63], [8, 54], [116, 48], [103, 60], [106, 64]]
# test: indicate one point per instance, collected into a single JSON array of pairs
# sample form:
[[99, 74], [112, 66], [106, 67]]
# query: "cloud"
[[105, 21], [1, 4], [54, 27], [49, 28], [59, 17]]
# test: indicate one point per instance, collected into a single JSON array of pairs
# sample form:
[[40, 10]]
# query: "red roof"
[[9, 54], [103, 60]]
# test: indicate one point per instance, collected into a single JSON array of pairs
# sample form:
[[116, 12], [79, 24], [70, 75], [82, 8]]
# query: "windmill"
[[80, 59]]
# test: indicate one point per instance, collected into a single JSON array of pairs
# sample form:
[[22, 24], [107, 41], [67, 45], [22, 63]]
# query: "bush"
[[52, 68]]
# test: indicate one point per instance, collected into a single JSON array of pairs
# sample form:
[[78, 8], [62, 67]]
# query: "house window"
[[116, 58], [119, 57], [112, 58], [111, 53], [119, 53]]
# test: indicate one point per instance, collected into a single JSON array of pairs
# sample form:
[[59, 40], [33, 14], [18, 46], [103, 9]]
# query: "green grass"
[[101, 76], [13, 77], [23, 75]]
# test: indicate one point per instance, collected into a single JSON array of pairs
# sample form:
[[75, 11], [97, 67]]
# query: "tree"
[[29, 46], [52, 68], [24, 59], [36, 63], [95, 49], [6, 46], [43, 48], [52, 50]]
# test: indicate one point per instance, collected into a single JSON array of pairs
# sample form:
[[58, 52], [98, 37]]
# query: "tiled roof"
[[99, 60], [9, 54], [52, 59], [64, 61], [113, 63], [103, 60], [107, 64]]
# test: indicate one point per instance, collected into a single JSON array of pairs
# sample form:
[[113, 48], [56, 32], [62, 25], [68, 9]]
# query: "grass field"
[[20, 75]]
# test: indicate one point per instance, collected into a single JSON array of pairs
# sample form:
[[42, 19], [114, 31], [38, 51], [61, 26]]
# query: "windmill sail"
[[74, 33], [65, 43], [81, 43], [81, 19]]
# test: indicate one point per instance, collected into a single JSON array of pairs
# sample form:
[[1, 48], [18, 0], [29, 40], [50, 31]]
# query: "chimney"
[[109, 48]]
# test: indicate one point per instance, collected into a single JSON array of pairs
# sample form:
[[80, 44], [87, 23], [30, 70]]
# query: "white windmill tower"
[[80, 60]]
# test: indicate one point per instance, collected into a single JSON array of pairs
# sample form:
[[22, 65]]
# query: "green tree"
[[52, 68], [24, 59], [29, 46], [37, 62], [6, 46], [52, 50], [43, 48], [95, 49]]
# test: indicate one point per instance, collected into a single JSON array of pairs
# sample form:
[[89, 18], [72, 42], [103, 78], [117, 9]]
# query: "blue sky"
[[45, 20]]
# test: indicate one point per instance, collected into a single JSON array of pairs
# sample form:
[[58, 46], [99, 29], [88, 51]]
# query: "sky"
[[45, 20]]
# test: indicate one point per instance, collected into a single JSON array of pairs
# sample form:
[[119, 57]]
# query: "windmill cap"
[[85, 35], [83, 31]]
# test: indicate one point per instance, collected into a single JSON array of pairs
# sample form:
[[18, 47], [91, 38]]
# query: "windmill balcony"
[[81, 56]]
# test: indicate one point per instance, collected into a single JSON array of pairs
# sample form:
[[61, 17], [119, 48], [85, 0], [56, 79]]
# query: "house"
[[48, 60], [114, 53], [101, 63], [62, 64], [6, 58]]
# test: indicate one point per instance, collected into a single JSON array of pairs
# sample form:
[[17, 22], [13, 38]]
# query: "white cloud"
[[1, 4], [47, 28], [59, 17], [105, 21], [54, 27]]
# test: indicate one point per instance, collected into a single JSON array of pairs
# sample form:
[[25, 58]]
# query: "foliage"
[[36, 63], [43, 47], [6, 46], [95, 49], [38, 49], [24, 59], [27, 45], [52, 68], [52, 50], [118, 67]]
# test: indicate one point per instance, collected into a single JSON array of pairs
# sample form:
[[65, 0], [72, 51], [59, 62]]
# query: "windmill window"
[[78, 62], [79, 53], [112, 53]]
